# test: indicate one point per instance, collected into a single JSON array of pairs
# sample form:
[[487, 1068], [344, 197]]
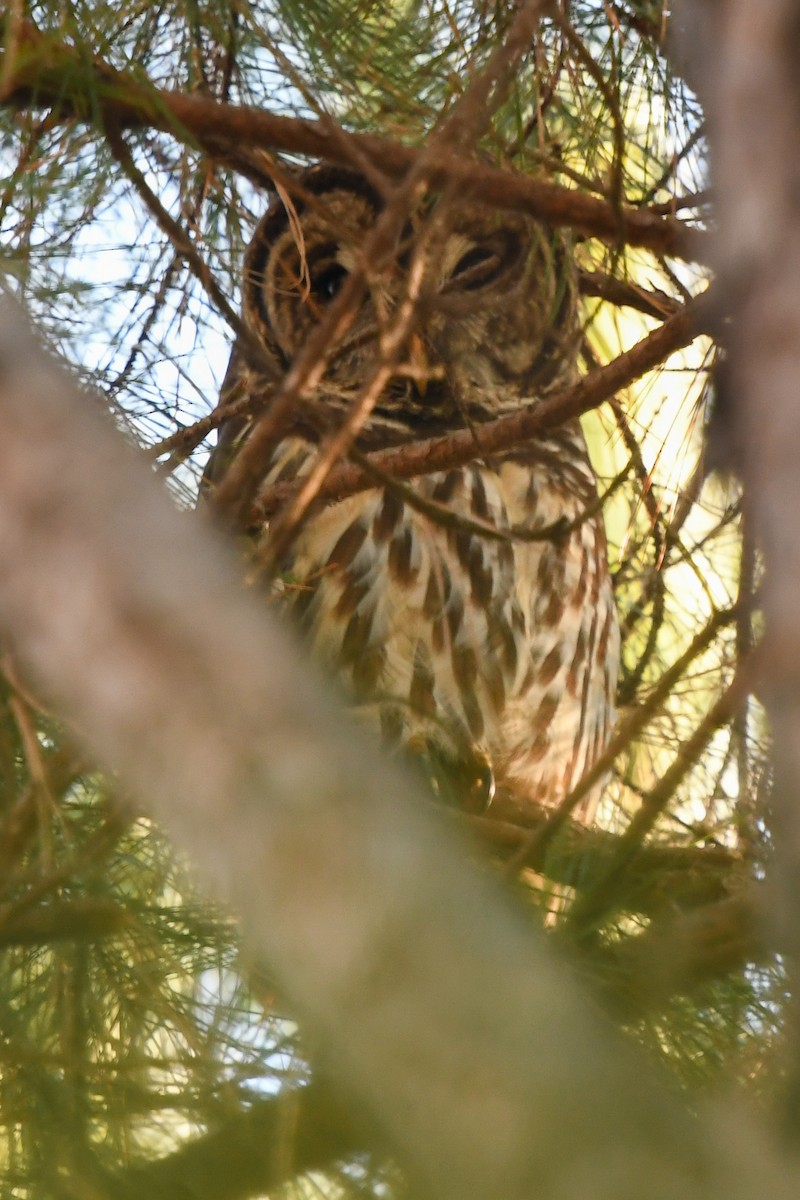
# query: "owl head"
[[497, 321]]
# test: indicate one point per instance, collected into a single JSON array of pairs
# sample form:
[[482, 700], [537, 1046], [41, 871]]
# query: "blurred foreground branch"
[[435, 1004], [753, 102]]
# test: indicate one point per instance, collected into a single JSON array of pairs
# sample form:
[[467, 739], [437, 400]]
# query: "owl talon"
[[466, 783]]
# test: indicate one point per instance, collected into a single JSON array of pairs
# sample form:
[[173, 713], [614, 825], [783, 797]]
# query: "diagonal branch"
[[447, 1019], [651, 302], [506, 433]]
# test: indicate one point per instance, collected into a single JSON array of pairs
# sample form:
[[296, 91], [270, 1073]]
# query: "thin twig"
[[185, 248], [590, 908], [628, 730], [448, 518]]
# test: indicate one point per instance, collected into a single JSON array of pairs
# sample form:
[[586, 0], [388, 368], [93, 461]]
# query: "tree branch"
[[506, 433], [753, 103], [682, 954], [651, 302], [41, 70], [666, 877], [443, 1014], [247, 1154]]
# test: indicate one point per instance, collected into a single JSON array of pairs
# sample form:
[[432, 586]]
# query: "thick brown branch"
[[248, 1154], [680, 955], [666, 877], [42, 71], [652, 303]]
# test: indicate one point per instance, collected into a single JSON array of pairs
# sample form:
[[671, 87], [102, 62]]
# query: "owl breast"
[[459, 644]]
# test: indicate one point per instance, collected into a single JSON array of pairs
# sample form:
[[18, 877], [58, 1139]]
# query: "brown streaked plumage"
[[476, 652]]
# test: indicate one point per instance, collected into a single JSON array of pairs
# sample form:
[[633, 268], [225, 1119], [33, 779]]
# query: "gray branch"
[[446, 1018]]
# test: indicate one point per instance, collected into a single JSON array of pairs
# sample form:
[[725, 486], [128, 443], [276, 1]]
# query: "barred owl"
[[492, 658]]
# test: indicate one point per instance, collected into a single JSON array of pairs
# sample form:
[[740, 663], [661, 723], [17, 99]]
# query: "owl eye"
[[326, 281], [480, 266]]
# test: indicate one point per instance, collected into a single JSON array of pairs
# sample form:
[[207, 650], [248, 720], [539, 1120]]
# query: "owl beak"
[[418, 358]]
